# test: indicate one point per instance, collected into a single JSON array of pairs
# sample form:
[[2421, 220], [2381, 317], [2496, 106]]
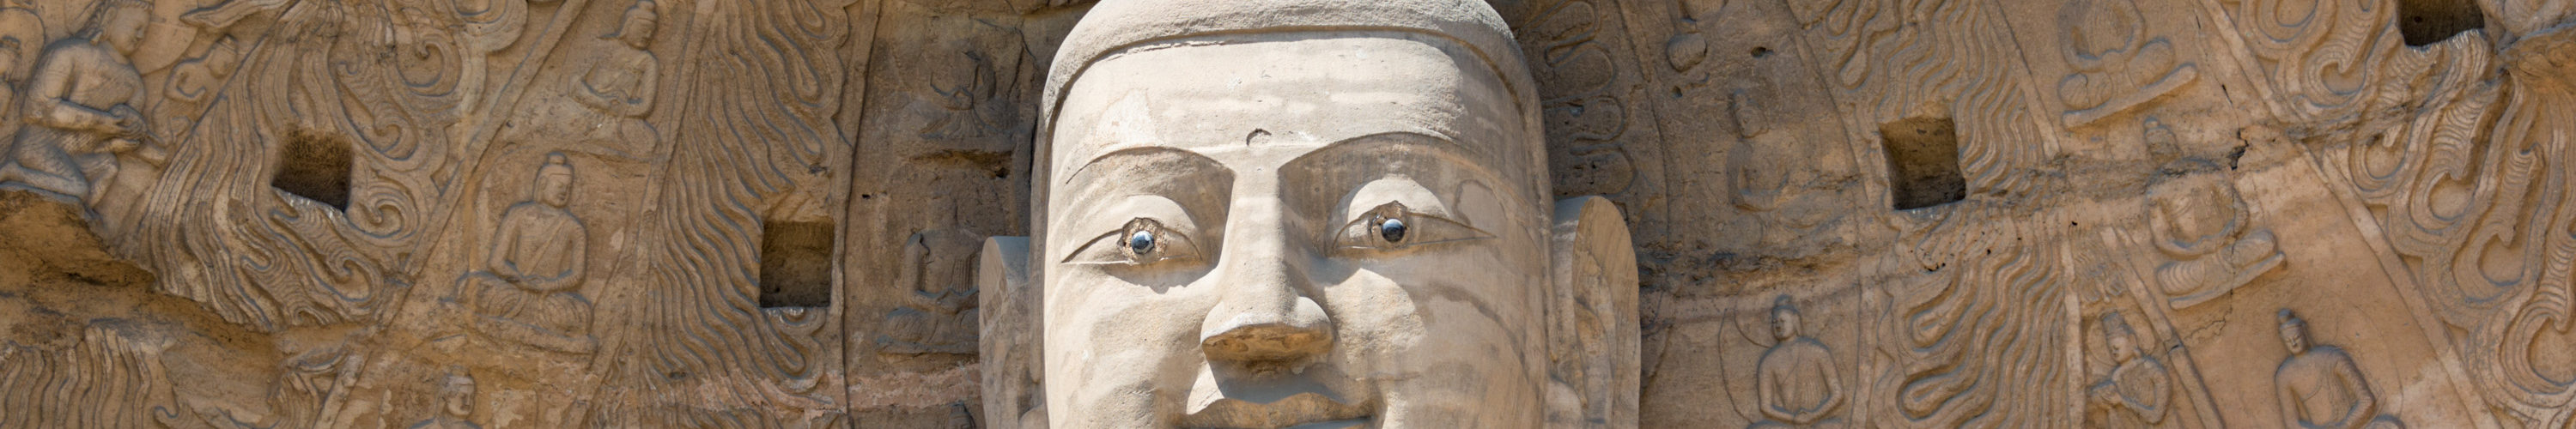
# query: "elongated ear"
[[1009, 336], [1592, 317]]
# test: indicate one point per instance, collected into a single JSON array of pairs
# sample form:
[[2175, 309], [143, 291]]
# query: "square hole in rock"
[[1923, 162], [314, 167], [2426, 22], [795, 264]]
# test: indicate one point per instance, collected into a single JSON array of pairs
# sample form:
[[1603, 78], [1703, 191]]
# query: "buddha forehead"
[[1258, 97]]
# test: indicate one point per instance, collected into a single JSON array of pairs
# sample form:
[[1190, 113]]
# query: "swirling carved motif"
[[2321, 55], [115, 380], [2472, 191], [375, 76], [491, 24], [1945, 66], [759, 122], [2522, 247], [1973, 336]]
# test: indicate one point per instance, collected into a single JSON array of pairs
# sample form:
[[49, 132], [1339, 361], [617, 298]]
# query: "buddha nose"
[[1266, 323], [1265, 315]]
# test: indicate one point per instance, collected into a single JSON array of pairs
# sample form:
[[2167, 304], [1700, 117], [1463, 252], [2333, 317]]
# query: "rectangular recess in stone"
[[795, 264], [314, 167], [2426, 22], [1923, 162]]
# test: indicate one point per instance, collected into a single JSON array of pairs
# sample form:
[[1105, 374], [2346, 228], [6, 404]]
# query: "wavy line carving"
[[2470, 189], [758, 130], [377, 77], [116, 381]]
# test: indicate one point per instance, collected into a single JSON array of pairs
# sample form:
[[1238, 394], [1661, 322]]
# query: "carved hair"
[[2114, 326], [643, 9], [107, 10], [2289, 319], [1784, 305], [455, 382], [556, 164]]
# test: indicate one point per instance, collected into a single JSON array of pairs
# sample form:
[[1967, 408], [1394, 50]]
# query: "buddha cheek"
[[1377, 324], [1421, 376], [1133, 350]]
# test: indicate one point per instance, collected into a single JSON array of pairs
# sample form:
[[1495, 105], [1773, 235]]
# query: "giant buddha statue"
[[1311, 213]]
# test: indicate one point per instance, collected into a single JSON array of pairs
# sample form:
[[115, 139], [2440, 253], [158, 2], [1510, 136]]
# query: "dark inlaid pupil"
[[1142, 242], [1391, 229]]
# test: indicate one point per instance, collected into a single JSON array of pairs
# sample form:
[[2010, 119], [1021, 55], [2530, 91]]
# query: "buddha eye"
[[1142, 241], [1392, 227]]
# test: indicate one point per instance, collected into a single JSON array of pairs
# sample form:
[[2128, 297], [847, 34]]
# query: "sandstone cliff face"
[[694, 213]]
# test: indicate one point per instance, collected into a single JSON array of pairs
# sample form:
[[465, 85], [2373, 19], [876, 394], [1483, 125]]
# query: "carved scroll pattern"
[[1889, 59], [2467, 192], [1972, 339], [1581, 89], [1970, 330], [758, 126], [2322, 57], [381, 78], [108, 380]]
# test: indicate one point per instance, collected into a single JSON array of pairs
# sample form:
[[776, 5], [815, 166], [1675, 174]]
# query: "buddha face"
[[2121, 350], [1319, 228], [2294, 335], [458, 394], [1784, 324], [555, 189], [123, 27], [636, 28]]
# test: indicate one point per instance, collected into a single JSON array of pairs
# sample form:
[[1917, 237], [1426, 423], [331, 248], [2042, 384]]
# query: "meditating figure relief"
[[2319, 386], [2202, 223], [1797, 384], [530, 290]]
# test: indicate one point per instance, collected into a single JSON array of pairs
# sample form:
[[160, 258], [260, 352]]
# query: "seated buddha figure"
[[529, 292], [2201, 222], [2320, 387]]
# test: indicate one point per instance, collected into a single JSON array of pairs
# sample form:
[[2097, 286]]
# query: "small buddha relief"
[[2204, 227], [2137, 391], [2118, 63], [528, 294], [1796, 384], [937, 314], [2319, 386]]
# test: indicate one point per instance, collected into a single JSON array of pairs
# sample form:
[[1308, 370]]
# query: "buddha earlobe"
[[1009, 340], [1591, 314]]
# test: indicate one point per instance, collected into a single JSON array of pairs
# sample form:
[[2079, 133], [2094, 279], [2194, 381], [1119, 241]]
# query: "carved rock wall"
[[766, 213]]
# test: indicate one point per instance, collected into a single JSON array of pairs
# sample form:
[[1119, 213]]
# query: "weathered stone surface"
[[862, 213]]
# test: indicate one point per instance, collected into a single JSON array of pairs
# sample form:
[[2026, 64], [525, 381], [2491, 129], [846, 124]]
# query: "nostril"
[[1262, 320], [1286, 333], [1268, 342]]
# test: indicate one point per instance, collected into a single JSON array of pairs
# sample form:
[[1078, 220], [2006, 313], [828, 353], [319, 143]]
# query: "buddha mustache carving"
[[1320, 214]]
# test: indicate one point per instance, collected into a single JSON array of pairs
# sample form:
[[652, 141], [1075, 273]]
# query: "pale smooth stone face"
[[1261, 165]]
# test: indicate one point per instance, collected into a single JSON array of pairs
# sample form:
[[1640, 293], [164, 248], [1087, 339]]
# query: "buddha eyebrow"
[[1142, 157], [1363, 145]]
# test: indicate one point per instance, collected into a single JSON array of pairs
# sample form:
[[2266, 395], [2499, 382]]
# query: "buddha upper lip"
[[1269, 402], [1301, 408]]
